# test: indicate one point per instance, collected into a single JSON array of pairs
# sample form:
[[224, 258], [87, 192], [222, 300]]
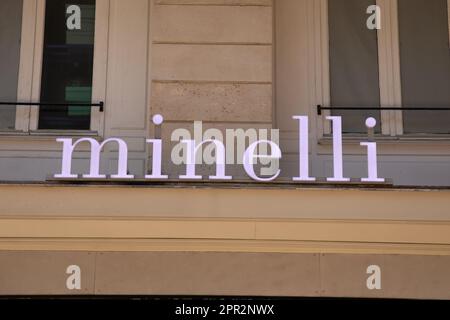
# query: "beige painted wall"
[[198, 240], [195, 240], [45, 212], [224, 274]]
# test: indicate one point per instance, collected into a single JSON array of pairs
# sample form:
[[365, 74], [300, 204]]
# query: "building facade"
[[235, 71]]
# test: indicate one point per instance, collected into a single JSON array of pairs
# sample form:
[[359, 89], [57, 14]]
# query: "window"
[[404, 64], [67, 66], [425, 64], [326, 55], [354, 76], [10, 32]]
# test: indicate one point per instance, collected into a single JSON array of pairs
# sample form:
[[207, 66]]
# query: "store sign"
[[250, 157]]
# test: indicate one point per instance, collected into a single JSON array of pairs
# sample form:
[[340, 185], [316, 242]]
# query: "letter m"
[[96, 148]]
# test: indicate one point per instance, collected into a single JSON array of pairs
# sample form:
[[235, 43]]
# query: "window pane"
[[10, 32], [425, 64], [354, 76], [67, 65]]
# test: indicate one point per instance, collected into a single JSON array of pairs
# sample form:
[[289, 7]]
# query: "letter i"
[[157, 152], [372, 162]]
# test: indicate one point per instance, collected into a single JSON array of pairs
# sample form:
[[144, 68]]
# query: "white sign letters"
[[257, 151]]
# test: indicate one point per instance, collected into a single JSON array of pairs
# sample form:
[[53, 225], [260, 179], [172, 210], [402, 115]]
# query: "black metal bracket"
[[320, 109], [100, 105]]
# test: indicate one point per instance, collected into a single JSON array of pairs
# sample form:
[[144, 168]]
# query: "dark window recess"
[[67, 66], [10, 32], [354, 76], [425, 64]]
